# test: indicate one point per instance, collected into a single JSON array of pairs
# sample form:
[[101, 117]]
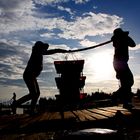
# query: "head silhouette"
[[40, 47], [120, 32]]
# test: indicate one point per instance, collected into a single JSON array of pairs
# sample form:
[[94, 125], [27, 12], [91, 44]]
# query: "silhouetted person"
[[32, 71], [121, 43], [14, 97]]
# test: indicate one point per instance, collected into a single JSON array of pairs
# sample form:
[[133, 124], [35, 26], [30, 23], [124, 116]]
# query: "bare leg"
[[23, 99], [35, 96], [34, 92]]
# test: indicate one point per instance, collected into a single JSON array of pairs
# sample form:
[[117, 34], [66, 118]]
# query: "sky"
[[65, 24]]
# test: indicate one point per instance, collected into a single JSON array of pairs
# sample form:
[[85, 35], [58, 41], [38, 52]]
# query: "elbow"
[[134, 45]]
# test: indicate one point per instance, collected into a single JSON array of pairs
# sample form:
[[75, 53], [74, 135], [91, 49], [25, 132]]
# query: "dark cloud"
[[12, 63], [12, 82], [6, 50], [9, 4]]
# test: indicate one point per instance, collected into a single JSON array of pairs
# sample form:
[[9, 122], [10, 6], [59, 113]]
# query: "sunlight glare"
[[101, 66]]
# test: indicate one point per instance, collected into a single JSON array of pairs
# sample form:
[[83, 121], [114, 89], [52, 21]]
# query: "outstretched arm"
[[49, 52]]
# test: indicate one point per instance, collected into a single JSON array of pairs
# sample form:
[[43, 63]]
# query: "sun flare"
[[100, 64]]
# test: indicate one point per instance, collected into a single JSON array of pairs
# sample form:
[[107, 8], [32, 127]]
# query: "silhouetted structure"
[[121, 43], [70, 81]]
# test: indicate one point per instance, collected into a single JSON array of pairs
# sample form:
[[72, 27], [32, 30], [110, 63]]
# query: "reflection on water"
[[98, 130], [94, 134]]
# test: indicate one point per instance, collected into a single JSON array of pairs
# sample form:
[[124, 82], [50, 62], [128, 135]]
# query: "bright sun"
[[101, 65]]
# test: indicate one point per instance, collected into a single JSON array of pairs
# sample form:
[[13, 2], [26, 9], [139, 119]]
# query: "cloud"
[[52, 2], [87, 43], [16, 6], [90, 24], [65, 9], [49, 2], [14, 15], [23, 18], [81, 1], [12, 62], [48, 35]]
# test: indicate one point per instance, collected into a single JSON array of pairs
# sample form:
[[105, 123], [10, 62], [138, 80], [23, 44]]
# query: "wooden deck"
[[85, 118]]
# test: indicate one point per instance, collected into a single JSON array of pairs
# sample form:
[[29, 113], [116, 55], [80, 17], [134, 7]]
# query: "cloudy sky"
[[66, 24]]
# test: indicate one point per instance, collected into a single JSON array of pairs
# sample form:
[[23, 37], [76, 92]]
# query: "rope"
[[83, 49]]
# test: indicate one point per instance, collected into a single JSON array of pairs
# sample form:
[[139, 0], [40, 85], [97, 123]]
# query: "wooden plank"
[[68, 115], [112, 112], [80, 116], [102, 112], [114, 108], [55, 116], [126, 112], [109, 110], [88, 115], [24, 120], [117, 108], [11, 121], [30, 120], [95, 115], [46, 116]]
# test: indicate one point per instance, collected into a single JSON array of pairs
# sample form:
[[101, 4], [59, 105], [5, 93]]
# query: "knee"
[[35, 95]]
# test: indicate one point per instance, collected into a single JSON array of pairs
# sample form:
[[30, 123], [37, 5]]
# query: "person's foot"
[[128, 106], [116, 97]]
